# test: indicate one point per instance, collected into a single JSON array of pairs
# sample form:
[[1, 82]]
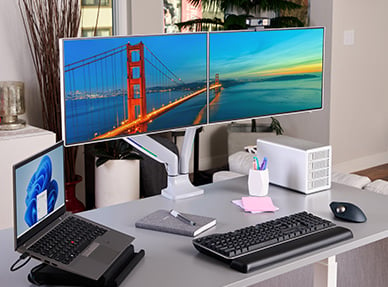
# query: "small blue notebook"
[[162, 220]]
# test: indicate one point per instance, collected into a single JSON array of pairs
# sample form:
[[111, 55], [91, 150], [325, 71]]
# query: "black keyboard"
[[260, 245], [69, 238]]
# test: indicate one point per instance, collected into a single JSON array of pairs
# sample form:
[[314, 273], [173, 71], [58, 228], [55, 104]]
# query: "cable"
[[22, 257]]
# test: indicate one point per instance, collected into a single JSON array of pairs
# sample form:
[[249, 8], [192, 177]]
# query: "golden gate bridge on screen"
[[100, 77]]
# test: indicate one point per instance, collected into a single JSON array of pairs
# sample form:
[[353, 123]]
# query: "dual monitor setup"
[[130, 87]]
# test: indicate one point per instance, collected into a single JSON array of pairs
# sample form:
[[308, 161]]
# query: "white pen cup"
[[258, 182]]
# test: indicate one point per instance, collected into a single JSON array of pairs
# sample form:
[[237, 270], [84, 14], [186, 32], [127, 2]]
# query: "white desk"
[[171, 260]]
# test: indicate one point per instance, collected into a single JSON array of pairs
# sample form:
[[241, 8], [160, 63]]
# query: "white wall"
[[15, 58], [359, 90], [146, 17]]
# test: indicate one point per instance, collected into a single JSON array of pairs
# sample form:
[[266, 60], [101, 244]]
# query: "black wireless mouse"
[[347, 211]]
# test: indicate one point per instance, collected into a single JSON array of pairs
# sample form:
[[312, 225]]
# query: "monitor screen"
[[120, 86], [264, 73]]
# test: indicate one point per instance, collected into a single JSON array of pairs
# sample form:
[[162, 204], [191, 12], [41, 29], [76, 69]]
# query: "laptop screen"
[[38, 188]]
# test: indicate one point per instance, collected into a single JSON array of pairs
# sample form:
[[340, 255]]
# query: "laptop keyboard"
[[68, 239]]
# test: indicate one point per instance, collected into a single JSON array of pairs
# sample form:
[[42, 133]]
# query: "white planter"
[[117, 181]]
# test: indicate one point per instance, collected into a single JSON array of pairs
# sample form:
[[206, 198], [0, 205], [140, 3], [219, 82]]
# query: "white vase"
[[117, 181]]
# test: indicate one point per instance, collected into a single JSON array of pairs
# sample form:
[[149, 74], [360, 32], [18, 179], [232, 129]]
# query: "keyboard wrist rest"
[[290, 249]]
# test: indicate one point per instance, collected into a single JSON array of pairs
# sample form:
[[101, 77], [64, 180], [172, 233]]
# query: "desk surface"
[[171, 260]]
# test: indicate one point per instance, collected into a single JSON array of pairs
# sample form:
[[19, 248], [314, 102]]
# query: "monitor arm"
[[178, 182]]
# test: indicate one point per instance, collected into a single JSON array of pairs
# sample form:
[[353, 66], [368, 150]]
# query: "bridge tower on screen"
[[217, 82], [136, 84]]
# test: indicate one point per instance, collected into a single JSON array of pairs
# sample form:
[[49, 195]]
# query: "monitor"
[[265, 73], [119, 86]]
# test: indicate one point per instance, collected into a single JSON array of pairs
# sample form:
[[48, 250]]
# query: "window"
[[178, 11], [92, 14], [86, 32], [95, 3]]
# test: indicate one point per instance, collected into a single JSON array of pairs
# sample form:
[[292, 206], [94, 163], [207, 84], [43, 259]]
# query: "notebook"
[[39, 207], [162, 220]]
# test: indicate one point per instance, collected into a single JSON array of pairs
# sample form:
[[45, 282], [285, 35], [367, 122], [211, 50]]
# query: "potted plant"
[[274, 126], [117, 172]]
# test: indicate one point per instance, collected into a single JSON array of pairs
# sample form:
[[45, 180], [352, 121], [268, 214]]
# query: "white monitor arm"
[[178, 182]]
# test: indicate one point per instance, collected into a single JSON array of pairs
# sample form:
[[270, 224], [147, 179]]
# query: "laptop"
[[39, 207]]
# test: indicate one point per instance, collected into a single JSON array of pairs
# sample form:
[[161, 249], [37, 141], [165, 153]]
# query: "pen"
[[264, 164], [181, 217], [256, 164]]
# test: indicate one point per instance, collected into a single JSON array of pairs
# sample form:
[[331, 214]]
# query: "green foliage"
[[250, 7], [235, 22], [275, 126], [286, 21], [200, 23], [275, 5], [115, 149]]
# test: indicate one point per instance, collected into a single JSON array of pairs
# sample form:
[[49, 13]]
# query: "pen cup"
[[258, 182]]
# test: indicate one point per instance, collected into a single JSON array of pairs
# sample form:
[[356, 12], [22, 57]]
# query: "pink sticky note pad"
[[253, 203]]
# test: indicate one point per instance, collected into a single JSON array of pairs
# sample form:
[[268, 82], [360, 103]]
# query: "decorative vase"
[[117, 181], [72, 203], [12, 105]]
